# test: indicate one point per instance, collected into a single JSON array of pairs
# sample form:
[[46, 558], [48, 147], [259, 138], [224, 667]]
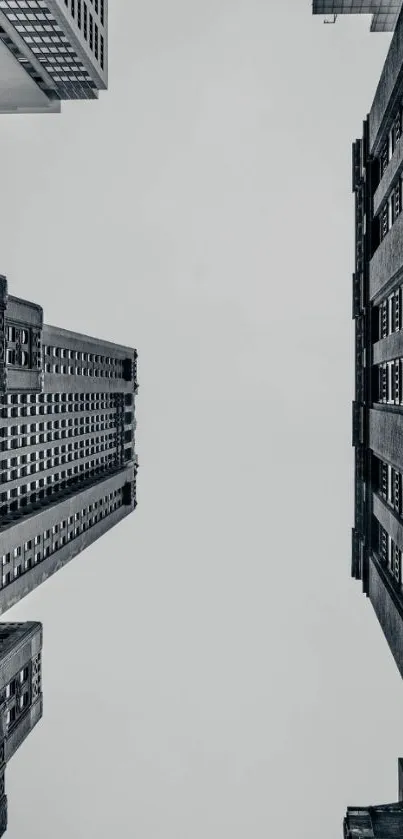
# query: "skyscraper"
[[51, 50], [384, 821], [67, 432], [384, 12], [377, 542], [20, 693]]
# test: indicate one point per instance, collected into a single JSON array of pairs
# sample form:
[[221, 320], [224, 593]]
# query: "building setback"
[[51, 50], [380, 822], [20, 693], [384, 12], [377, 542], [67, 432]]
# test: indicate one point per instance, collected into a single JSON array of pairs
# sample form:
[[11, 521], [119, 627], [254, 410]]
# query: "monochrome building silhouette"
[[384, 821], [51, 50], [20, 693], [377, 542], [67, 433], [384, 12]]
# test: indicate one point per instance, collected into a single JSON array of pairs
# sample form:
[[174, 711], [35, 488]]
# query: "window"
[[397, 382], [384, 220], [396, 563], [396, 326], [396, 200], [384, 159], [383, 325], [397, 491], [383, 545]]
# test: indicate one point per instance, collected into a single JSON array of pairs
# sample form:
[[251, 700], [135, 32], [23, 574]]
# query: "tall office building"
[[384, 12], [67, 432], [20, 693], [377, 542], [380, 822], [51, 50]]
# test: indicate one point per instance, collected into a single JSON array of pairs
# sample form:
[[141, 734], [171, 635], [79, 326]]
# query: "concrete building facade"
[[51, 50], [383, 821], [67, 444], [384, 13], [377, 542], [20, 693]]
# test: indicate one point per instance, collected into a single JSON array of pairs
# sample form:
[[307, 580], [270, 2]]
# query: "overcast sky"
[[210, 669]]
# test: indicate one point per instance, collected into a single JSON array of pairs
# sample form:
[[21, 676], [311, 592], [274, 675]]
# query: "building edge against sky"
[[68, 467], [51, 50], [384, 821], [377, 539], [384, 12]]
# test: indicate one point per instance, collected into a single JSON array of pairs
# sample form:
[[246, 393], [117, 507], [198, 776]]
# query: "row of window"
[[391, 142], [77, 425], [15, 504], [390, 378], [55, 399], [89, 25], [27, 555], [60, 360], [51, 404], [17, 696], [36, 489], [391, 209], [83, 454], [70, 370], [390, 485], [74, 428], [390, 555], [390, 314]]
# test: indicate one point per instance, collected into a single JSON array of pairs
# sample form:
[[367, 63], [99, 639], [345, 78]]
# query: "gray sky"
[[210, 670]]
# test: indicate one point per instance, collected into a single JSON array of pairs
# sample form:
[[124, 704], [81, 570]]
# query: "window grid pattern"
[[391, 141], [390, 210], [88, 22], [40, 31], [17, 696], [51, 442], [390, 555], [27, 555], [390, 486], [390, 382], [63, 361], [390, 314]]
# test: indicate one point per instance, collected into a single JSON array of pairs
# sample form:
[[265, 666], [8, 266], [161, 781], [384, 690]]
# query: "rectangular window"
[[396, 563], [91, 32], [396, 311], [397, 491], [102, 11], [389, 493], [383, 383], [85, 20], [79, 14], [383, 319], [397, 129], [384, 157], [397, 382], [73, 8], [384, 220], [383, 545]]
